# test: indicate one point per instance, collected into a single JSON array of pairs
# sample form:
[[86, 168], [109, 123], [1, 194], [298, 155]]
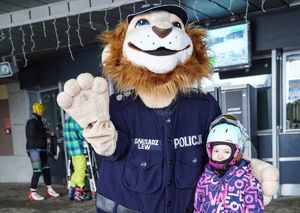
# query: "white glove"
[[86, 100]]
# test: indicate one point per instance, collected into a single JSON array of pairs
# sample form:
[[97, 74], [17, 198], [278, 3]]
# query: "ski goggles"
[[229, 119]]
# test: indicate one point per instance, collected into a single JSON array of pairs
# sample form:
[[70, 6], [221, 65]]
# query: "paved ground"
[[13, 200]]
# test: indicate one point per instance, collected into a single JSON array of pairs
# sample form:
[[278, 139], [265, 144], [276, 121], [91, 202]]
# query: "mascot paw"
[[267, 175], [85, 99]]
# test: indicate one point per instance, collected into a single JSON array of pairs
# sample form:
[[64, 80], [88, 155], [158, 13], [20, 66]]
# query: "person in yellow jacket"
[[74, 145]]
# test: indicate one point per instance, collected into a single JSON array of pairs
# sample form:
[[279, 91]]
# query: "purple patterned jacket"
[[236, 191]]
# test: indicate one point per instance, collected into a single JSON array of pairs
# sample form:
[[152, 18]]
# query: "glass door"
[[53, 120], [289, 153]]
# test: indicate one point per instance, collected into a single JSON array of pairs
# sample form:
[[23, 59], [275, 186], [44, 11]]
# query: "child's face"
[[221, 152]]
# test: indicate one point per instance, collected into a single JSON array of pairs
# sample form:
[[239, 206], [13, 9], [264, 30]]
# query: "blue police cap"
[[171, 8]]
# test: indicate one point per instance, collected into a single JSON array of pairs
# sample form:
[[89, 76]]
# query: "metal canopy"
[[31, 29]]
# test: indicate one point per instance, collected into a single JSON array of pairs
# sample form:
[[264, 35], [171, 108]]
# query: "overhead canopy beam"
[[57, 10]]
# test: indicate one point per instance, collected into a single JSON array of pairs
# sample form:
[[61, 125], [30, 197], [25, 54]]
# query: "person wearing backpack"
[[36, 148]]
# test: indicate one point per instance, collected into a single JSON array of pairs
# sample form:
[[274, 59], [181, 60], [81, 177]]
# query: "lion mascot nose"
[[161, 32]]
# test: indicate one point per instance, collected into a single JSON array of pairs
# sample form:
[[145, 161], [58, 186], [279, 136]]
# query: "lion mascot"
[[152, 132]]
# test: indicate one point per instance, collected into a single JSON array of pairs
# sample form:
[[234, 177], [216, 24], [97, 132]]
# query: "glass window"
[[256, 81], [292, 91], [262, 83]]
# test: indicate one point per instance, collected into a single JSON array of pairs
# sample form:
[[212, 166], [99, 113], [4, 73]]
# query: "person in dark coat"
[[36, 148], [151, 135]]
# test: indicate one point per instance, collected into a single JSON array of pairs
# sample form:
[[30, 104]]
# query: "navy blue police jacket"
[[160, 154]]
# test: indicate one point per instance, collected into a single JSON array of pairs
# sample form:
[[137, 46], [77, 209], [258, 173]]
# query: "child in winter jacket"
[[227, 184]]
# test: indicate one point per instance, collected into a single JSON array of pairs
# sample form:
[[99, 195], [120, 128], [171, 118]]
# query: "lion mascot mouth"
[[161, 51], [155, 54]]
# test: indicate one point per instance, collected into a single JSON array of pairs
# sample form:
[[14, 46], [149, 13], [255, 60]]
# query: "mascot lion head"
[[154, 53]]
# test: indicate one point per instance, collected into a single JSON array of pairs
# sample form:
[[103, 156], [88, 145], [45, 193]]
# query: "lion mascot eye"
[[177, 24], [142, 22]]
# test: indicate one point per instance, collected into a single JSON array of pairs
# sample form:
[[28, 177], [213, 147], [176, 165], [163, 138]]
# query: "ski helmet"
[[38, 108], [226, 129]]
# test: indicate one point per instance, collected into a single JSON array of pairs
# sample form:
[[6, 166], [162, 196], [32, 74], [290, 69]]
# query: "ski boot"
[[81, 195]]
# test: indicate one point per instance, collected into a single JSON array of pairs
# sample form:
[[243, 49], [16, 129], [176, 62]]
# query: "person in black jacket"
[[36, 146]]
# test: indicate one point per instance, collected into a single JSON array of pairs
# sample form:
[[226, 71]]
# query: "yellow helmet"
[[38, 108]]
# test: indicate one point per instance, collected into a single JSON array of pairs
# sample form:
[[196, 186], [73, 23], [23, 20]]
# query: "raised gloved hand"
[[86, 100], [267, 175]]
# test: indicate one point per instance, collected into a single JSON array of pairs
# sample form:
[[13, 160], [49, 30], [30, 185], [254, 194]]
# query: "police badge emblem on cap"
[[171, 8]]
